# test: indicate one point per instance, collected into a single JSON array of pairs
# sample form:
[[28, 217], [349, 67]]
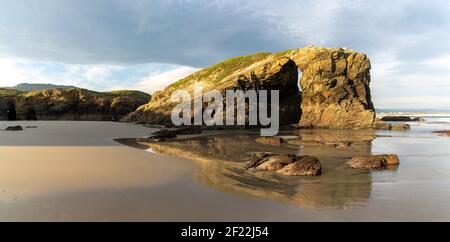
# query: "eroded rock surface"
[[381, 125], [374, 161], [335, 88], [275, 141], [287, 164], [335, 85], [255, 72], [14, 128], [70, 104]]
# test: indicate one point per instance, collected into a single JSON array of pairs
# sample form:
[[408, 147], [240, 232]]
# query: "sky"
[[147, 44]]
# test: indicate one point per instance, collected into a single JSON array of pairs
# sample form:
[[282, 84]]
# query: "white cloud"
[[441, 62], [407, 40], [147, 78], [156, 82]]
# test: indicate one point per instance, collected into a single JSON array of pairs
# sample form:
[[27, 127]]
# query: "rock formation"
[[259, 71], [14, 128], [335, 87], [402, 119], [442, 132], [287, 164], [70, 104], [374, 161]]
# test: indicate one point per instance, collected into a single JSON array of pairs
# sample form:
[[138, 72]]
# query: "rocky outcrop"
[[374, 161], [71, 104], [255, 72], [335, 88], [401, 119], [287, 164]]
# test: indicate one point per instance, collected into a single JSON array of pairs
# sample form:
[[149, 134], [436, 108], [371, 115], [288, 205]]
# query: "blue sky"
[[147, 44]]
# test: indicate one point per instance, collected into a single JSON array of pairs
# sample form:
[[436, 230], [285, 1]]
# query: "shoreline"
[[90, 177]]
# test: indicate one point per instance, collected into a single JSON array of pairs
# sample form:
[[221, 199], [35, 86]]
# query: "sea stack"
[[335, 88]]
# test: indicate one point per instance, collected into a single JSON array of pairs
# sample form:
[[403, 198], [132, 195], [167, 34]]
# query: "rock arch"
[[335, 88]]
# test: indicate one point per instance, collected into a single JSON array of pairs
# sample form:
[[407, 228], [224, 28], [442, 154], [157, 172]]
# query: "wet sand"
[[75, 171]]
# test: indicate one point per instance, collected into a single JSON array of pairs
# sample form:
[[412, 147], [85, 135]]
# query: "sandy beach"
[[75, 171]]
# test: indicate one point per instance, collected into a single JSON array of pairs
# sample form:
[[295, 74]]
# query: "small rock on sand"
[[442, 132], [274, 141], [374, 161], [14, 128]]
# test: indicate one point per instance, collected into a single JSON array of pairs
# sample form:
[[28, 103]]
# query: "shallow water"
[[74, 171]]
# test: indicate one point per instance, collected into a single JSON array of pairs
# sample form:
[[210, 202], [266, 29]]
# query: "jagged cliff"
[[69, 104], [335, 87]]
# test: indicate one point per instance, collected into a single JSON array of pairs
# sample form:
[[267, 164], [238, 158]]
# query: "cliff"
[[69, 104], [335, 88], [334, 91], [258, 71]]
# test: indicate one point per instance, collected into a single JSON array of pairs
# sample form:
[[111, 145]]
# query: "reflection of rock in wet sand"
[[222, 158]]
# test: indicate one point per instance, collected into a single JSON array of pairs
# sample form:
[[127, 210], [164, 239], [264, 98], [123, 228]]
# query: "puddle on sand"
[[221, 159]]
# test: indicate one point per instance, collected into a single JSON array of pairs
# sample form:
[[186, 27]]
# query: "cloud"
[[194, 33], [110, 43], [148, 77], [156, 82]]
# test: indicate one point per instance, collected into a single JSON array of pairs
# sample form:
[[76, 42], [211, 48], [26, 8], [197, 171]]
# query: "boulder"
[[374, 161], [381, 125], [287, 164], [306, 166], [274, 141], [14, 128]]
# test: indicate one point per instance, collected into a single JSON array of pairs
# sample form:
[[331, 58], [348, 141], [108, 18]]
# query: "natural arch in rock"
[[335, 91], [335, 88]]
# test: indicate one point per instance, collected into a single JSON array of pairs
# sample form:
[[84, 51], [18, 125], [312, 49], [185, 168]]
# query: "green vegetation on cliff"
[[218, 72]]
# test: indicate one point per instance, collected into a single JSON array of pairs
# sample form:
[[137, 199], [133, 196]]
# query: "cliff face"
[[335, 87], [255, 72], [70, 104]]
